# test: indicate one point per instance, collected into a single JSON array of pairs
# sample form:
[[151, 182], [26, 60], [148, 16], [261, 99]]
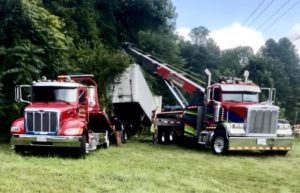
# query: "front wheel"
[[124, 136], [82, 148], [19, 150], [220, 143], [107, 142]]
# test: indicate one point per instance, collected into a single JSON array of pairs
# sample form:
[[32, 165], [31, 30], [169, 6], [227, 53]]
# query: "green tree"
[[234, 61], [285, 73], [199, 35]]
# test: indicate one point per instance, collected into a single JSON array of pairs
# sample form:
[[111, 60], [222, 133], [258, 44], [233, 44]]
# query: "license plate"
[[261, 141], [41, 138]]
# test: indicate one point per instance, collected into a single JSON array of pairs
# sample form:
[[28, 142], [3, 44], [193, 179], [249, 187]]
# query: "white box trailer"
[[132, 98]]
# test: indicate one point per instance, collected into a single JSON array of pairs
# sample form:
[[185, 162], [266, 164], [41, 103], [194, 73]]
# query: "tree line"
[[51, 37]]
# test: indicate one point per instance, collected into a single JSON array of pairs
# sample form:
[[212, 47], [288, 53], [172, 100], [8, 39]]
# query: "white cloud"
[[237, 35], [294, 36], [232, 36], [184, 32]]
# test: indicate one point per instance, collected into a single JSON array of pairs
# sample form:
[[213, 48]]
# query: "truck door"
[[214, 106], [83, 105]]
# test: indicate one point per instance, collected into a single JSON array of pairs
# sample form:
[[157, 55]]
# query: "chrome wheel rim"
[[219, 144]]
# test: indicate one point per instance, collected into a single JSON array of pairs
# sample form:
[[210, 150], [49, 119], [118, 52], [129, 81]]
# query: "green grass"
[[143, 167]]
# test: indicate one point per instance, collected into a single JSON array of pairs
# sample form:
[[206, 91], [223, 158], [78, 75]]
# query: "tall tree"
[[199, 35], [277, 65], [233, 61]]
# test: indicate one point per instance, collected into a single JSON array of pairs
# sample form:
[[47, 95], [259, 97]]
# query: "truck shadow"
[[45, 152], [193, 146]]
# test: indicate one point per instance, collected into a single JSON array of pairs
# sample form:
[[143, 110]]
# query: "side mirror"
[[269, 94], [23, 93], [82, 98]]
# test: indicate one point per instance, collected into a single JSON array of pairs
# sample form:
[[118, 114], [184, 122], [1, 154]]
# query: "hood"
[[57, 106], [236, 111]]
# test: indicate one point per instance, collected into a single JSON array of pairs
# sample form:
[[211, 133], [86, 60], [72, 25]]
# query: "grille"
[[262, 120], [41, 121]]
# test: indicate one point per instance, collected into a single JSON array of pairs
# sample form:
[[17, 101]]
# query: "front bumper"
[[260, 143], [46, 141]]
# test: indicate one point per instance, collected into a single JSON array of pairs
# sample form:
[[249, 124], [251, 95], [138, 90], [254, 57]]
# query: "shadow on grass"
[[192, 145], [46, 152]]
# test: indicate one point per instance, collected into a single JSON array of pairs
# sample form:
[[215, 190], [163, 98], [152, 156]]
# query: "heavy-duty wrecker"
[[227, 115]]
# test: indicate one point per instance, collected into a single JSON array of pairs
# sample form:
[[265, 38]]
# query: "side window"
[[82, 97], [217, 94], [210, 94]]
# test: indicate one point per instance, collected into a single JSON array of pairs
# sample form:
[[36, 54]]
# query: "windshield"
[[239, 97], [52, 94]]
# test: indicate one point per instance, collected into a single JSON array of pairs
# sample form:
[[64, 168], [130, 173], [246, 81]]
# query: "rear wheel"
[[124, 136], [107, 142], [19, 150], [82, 149], [220, 143]]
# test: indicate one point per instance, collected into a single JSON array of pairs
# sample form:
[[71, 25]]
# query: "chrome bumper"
[[46, 140], [260, 143]]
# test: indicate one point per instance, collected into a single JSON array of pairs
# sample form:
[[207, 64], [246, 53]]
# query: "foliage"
[[102, 62], [234, 61], [201, 53], [199, 35], [162, 45], [48, 37], [280, 68], [30, 44]]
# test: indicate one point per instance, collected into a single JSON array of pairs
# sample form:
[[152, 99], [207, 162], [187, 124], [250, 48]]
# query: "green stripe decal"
[[190, 112], [189, 130], [188, 135]]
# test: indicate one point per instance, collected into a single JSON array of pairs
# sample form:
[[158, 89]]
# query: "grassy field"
[[139, 166]]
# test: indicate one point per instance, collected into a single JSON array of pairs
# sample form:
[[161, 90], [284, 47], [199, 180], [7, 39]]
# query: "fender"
[[17, 127], [232, 129], [76, 125], [223, 126]]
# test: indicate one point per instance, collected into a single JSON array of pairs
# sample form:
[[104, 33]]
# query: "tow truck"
[[226, 116]]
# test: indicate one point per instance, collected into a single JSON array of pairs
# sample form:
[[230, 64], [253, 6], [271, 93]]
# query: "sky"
[[235, 23]]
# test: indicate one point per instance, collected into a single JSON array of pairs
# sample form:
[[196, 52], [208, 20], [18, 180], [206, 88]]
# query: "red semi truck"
[[227, 115], [61, 113]]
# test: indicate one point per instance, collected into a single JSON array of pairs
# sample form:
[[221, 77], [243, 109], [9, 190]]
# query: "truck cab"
[[237, 120], [61, 113]]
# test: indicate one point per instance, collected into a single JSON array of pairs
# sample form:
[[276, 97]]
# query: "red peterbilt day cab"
[[61, 113]]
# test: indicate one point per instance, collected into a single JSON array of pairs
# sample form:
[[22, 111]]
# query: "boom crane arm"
[[161, 69]]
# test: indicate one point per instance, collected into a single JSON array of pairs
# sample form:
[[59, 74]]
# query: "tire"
[[107, 143], [124, 137], [167, 134], [82, 148], [159, 136], [19, 150], [219, 143]]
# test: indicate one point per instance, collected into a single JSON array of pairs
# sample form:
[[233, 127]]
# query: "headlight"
[[73, 131], [15, 129], [237, 125], [284, 126]]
